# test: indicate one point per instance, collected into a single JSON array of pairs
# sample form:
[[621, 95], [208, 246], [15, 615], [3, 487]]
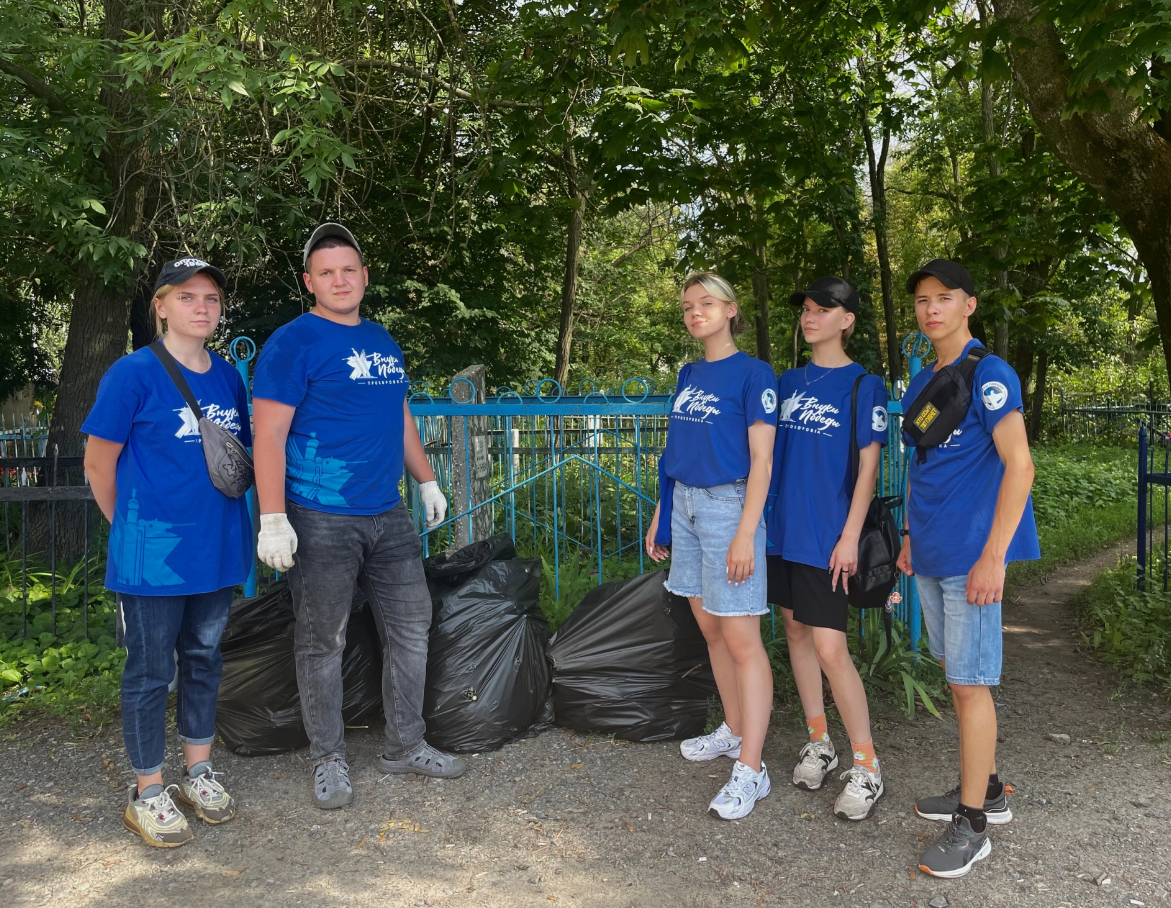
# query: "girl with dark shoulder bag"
[[179, 544]]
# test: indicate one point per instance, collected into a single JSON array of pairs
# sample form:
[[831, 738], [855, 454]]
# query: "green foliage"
[[1129, 629], [1070, 481], [66, 663], [906, 676], [1084, 500], [578, 575]]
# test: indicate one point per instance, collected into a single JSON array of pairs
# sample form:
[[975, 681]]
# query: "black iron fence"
[[1091, 418], [50, 519], [1154, 483]]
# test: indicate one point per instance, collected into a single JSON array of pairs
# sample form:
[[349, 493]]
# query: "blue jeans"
[[383, 552], [703, 523], [158, 628], [968, 639]]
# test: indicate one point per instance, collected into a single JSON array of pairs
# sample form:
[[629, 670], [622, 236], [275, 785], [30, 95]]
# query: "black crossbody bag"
[[879, 542], [942, 405], [228, 462]]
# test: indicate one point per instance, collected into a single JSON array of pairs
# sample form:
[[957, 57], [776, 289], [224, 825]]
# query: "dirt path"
[[586, 822]]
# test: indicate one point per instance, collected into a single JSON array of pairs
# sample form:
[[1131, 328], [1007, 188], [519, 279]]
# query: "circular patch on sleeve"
[[769, 400], [995, 395], [878, 419]]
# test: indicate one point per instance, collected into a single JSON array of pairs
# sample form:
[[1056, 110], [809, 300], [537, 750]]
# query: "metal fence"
[[1154, 482], [571, 477], [1092, 418]]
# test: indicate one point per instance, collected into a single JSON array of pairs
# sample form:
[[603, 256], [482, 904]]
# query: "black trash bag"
[[487, 678], [259, 707], [631, 661]]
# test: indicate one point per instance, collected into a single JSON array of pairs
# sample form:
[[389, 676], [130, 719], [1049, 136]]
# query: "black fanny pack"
[[228, 462], [942, 405]]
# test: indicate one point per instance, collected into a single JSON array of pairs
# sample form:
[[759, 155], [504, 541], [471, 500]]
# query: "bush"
[[68, 658], [1129, 629]]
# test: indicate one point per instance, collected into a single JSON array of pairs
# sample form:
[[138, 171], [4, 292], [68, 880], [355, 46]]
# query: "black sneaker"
[[943, 807], [956, 851]]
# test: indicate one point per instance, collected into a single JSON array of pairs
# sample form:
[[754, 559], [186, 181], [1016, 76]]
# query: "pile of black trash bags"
[[629, 661]]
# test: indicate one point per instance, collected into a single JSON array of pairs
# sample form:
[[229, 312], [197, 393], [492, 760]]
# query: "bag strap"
[[855, 454], [164, 356]]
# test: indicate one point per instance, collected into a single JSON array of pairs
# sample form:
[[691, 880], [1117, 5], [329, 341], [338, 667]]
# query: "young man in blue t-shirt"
[[969, 513], [333, 432]]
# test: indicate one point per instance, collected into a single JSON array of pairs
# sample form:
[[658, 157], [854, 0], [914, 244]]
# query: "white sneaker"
[[720, 743], [818, 759], [862, 791], [739, 796]]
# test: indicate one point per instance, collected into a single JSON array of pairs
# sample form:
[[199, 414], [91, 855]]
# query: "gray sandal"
[[425, 760]]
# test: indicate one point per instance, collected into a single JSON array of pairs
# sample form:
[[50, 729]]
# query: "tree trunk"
[[1000, 344], [894, 364], [760, 293], [572, 258], [1038, 394], [99, 320], [1115, 151]]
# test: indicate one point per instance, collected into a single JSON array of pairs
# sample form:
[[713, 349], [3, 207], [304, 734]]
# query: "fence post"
[[471, 466], [1141, 578]]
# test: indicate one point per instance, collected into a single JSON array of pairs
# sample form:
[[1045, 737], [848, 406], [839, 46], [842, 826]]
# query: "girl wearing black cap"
[[814, 527], [177, 547]]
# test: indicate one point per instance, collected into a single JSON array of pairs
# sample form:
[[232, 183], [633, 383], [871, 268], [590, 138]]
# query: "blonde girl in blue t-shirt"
[[714, 480], [178, 546]]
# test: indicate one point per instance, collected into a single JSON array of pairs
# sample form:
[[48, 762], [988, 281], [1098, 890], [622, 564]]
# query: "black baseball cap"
[[950, 274], [829, 291], [180, 271], [328, 230]]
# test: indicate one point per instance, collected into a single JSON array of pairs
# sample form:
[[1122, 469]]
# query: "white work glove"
[[277, 541], [434, 504]]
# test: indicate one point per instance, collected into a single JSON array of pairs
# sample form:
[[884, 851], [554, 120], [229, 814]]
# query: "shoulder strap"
[[172, 367], [854, 453], [967, 366]]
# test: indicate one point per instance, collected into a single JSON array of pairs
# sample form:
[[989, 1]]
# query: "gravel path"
[[587, 822]]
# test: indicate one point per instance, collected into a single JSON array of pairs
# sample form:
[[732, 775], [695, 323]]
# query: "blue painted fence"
[[572, 477]]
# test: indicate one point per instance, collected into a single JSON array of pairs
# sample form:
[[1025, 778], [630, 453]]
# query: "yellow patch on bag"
[[927, 417]]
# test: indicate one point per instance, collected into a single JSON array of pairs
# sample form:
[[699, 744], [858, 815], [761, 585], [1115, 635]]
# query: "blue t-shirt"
[[811, 486], [707, 433], [174, 533], [344, 454], [953, 494]]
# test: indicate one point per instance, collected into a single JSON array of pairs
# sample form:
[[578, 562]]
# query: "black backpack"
[[942, 405], [879, 543]]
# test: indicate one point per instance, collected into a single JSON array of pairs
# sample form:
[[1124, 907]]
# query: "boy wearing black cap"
[[969, 513], [333, 432], [813, 533]]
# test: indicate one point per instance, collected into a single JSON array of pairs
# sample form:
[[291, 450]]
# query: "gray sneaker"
[[331, 784], [956, 851], [941, 808], [426, 761], [818, 759]]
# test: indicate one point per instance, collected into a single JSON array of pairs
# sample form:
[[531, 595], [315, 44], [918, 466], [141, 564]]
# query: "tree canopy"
[[531, 180]]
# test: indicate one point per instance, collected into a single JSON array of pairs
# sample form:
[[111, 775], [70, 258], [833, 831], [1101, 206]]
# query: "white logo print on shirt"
[[370, 366], [694, 404], [878, 419], [812, 415], [768, 400], [228, 417], [995, 395]]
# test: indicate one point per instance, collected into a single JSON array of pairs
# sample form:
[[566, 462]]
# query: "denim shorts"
[[968, 639], [703, 522]]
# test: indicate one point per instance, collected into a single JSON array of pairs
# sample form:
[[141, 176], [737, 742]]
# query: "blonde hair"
[[716, 287], [160, 323]]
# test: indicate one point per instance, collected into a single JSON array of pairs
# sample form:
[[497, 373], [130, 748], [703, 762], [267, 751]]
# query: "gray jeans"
[[382, 552]]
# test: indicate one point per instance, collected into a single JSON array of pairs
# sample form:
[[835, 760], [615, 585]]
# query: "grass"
[[1084, 497], [1127, 628]]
